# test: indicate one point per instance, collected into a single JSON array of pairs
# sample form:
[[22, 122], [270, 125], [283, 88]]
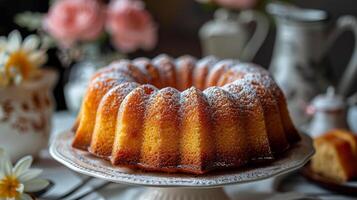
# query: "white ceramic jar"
[[25, 115], [329, 112]]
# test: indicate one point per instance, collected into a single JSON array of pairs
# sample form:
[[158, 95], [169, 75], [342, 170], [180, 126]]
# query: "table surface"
[[297, 186]]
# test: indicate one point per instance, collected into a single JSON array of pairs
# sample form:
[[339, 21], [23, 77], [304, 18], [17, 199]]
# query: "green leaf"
[[29, 20]]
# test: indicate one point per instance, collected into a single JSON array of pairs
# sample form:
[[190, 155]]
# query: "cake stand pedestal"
[[166, 186]]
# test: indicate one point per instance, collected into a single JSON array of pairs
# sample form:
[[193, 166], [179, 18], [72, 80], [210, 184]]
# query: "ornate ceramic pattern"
[[85, 163], [27, 115]]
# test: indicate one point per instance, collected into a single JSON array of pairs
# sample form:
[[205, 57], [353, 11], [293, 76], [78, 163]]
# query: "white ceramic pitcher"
[[228, 36], [298, 64]]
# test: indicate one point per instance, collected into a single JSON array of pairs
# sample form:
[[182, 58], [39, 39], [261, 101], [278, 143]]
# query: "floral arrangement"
[[20, 59], [19, 180], [73, 24]]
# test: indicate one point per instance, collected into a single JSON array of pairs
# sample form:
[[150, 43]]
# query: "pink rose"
[[237, 4], [131, 26], [75, 20]]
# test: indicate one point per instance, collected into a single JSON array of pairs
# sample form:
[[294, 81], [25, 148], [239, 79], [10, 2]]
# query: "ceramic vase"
[[25, 115]]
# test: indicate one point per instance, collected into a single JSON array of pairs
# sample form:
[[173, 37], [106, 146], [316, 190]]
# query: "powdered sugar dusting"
[[124, 88], [218, 70], [109, 79], [144, 91], [141, 63], [226, 64], [185, 59], [250, 68], [207, 61], [243, 92], [119, 92], [161, 58], [250, 77], [164, 107], [246, 89], [193, 98]]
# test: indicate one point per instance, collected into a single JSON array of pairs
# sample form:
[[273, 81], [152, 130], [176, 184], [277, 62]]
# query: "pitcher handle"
[[259, 35], [346, 23]]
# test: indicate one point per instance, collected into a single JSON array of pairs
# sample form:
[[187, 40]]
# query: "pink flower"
[[75, 20], [131, 26], [236, 4]]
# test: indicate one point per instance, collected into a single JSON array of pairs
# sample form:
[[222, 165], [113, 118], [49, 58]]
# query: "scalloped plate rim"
[[153, 179]]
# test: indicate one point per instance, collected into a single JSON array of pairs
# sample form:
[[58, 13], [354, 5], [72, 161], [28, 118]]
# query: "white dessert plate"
[[83, 162]]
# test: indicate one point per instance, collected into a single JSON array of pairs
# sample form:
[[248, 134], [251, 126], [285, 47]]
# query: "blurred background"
[[308, 46], [179, 22]]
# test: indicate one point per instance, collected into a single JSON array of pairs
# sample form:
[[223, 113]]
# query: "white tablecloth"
[[65, 179]]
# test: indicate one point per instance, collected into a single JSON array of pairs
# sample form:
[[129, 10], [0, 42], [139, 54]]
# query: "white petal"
[[2, 158], [35, 55], [5, 163], [36, 185], [25, 197], [3, 39], [14, 41], [18, 79], [22, 165], [4, 57], [38, 57], [20, 188], [30, 43], [7, 168], [29, 175], [3, 43], [42, 60], [2, 153]]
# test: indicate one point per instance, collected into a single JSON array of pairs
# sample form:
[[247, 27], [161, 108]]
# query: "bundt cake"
[[184, 115]]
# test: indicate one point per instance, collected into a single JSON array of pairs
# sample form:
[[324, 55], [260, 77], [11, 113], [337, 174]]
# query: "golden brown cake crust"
[[106, 120], [184, 115], [336, 155]]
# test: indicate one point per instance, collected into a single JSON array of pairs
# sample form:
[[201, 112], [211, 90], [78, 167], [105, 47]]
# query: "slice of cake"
[[336, 155]]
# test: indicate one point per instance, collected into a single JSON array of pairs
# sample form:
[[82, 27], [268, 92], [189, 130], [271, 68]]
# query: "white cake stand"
[[178, 186]]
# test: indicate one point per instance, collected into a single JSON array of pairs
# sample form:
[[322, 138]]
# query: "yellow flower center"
[[9, 187], [21, 62]]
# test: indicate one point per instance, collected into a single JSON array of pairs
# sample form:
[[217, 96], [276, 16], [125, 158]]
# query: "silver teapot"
[[303, 39], [228, 34]]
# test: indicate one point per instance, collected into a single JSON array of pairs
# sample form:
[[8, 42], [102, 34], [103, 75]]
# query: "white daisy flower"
[[23, 55], [2, 43], [16, 181]]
